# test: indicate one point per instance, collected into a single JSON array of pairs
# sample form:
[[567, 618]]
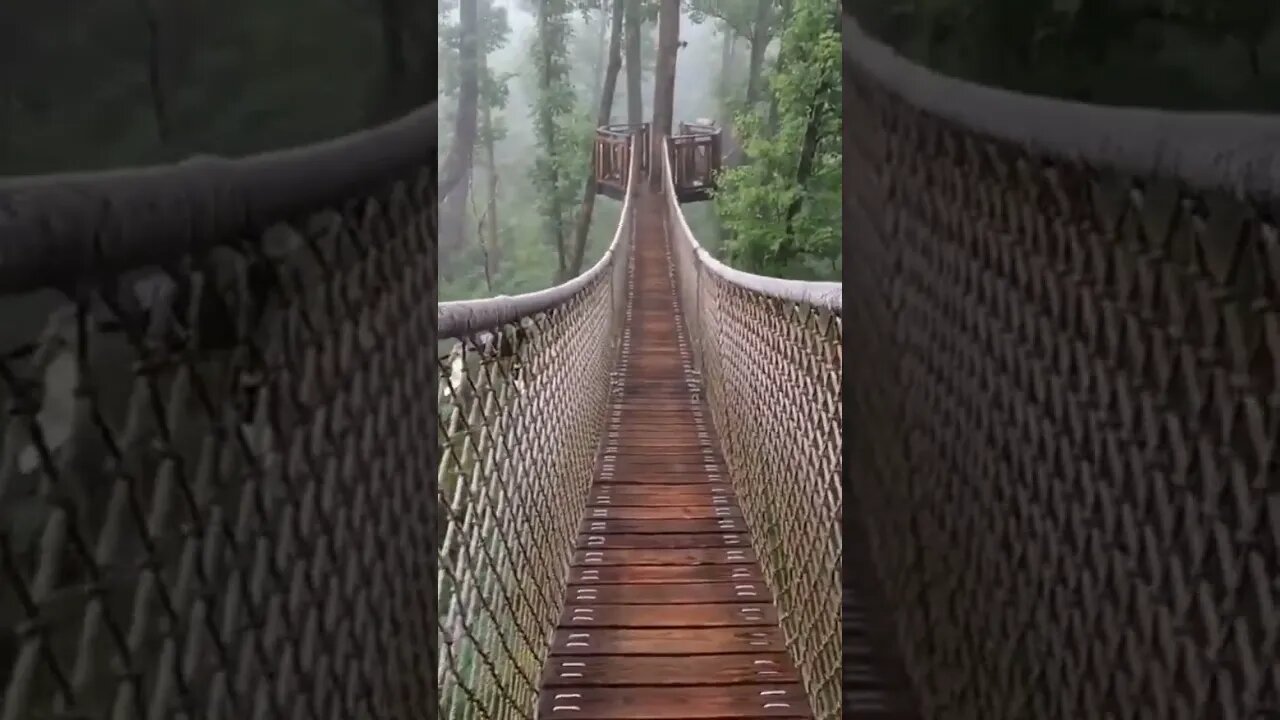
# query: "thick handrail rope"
[[1238, 152], [59, 229], [464, 317], [825, 295]]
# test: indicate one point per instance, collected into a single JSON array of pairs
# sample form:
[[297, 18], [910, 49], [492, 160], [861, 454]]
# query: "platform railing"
[[611, 157], [768, 353], [694, 156]]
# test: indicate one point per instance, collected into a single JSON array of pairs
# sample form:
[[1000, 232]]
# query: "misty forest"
[[523, 83], [519, 109], [543, 74]]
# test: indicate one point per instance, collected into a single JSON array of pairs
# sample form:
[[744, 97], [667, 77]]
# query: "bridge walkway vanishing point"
[[666, 614], [685, 562]]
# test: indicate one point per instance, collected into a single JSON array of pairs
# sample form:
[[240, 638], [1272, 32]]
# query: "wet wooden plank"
[[669, 616], [662, 513], [651, 466], [605, 525], [729, 702], [663, 541], [703, 497], [666, 614], [700, 495], [636, 477], [673, 462], [666, 641], [639, 442], [647, 574], [661, 489], [682, 556], [669, 593], [616, 527], [667, 670]]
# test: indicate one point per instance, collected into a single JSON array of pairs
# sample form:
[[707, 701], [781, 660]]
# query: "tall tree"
[[726, 65], [555, 105], [664, 85], [783, 21], [751, 20], [635, 71], [602, 55], [456, 175], [602, 118], [494, 29], [759, 41]]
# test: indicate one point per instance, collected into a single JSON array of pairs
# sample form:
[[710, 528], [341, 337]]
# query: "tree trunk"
[[602, 60], [547, 128], [455, 176], [583, 227], [783, 20], [759, 42], [635, 91], [492, 251], [664, 85], [726, 60], [808, 152]]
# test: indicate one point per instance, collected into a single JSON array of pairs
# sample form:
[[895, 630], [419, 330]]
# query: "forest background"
[[94, 84]]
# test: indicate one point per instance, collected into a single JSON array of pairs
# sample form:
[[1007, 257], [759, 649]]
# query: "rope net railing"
[[217, 436], [524, 387], [768, 352], [1065, 401]]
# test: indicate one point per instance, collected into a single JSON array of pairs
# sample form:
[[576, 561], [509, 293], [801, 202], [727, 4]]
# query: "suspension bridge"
[[249, 468]]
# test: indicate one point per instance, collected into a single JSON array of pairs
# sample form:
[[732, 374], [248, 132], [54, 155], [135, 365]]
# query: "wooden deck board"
[[666, 641], [662, 574], [666, 614], [725, 702], [669, 593], [666, 670], [664, 556], [674, 527], [694, 512]]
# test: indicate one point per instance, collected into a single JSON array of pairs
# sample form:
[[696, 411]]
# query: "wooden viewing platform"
[[695, 159], [666, 613]]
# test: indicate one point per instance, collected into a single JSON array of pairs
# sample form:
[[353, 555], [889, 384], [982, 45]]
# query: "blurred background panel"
[[94, 84]]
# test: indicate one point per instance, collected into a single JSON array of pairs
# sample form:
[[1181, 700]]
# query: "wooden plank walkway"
[[666, 614]]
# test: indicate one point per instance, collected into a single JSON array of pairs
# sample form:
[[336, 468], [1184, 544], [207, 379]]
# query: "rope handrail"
[[60, 228], [523, 390], [217, 421], [768, 356], [1239, 152], [460, 318], [820, 294]]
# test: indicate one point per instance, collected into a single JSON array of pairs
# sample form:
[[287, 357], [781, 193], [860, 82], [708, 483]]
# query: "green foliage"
[[783, 213], [557, 123], [737, 15], [526, 168]]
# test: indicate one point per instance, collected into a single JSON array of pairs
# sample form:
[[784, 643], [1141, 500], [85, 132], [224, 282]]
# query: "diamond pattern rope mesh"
[[1067, 424], [771, 373], [521, 413], [214, 478]]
